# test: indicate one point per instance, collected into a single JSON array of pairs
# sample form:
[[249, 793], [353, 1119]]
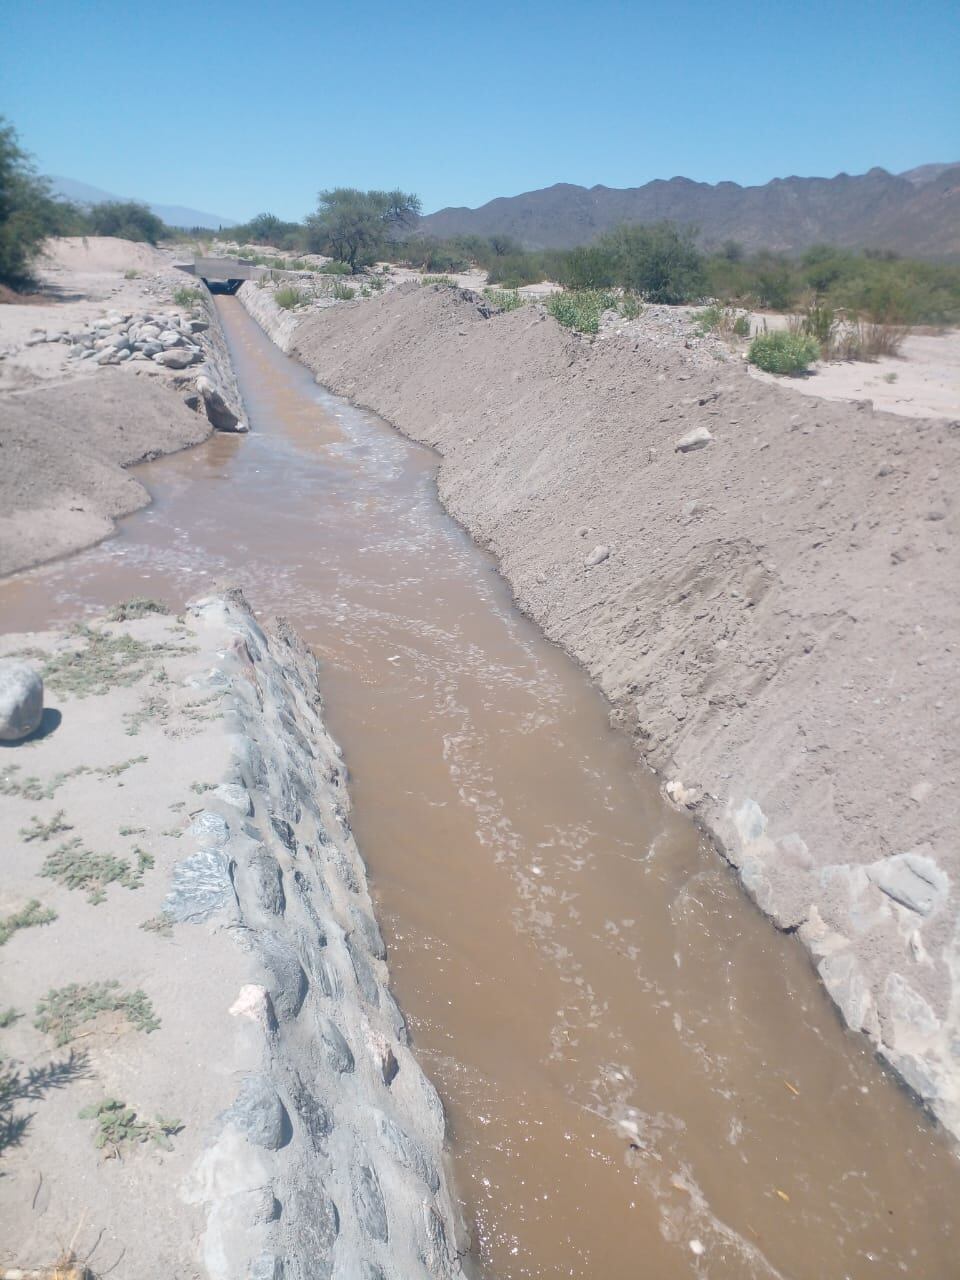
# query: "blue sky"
[[242, 107]]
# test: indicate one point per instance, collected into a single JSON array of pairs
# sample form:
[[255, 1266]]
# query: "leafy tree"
[[267, 228], [355, 226], [28, 212], [127, 220], [658, 261]]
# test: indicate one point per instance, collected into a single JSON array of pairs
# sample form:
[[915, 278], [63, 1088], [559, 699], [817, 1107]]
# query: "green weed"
[[580, 309], [75, 867], [103, 662], [504, 299], [343, 292], [784, 352], [118, 1126], [290, 298], [33, 913], [8, 1017], [63, 1010], [185, 297], [137, 607], [45, 830]]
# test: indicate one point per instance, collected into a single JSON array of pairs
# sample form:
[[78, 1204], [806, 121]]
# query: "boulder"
[[176, 358], [21, 699], [220, 416], [597, 556], [170, 338]]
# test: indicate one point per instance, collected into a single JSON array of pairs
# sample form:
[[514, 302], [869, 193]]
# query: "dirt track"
[[773, 619]]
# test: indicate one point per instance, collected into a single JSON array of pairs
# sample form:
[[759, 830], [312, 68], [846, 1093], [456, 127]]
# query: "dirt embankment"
[[70, 424], [204, 1071], [771, 613]]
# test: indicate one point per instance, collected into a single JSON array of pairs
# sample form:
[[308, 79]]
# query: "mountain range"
[[174, 215], [915, 213]]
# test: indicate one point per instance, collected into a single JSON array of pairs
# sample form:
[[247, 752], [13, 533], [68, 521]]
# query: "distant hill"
[[174, 215], [916, 213]]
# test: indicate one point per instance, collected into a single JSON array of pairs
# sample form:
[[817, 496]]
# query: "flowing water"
[[643, 1078]]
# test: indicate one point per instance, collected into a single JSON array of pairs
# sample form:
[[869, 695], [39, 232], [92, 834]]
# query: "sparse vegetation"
[[74, 866], [334, 268], [289, 298], [45, 830], [131, 274], [183, 296], [33, 913], [8, 1017], [725, 322], [504, 299], [118, 1126], [784, 352], [438, 280], [126, 219], [137, 607], [161, 924], [103, 662], [64, 1010], [342, 292], [580, 309]]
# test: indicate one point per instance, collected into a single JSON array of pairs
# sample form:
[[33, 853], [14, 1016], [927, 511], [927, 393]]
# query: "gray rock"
[[259, 1114], [698, 438], [407, 1151], [201, 885], [176, 358], [267, 1267], [21, 699], [219, 413], [368, 1202], [369, 932], [288, 983], [912, 879], [267, 881], [597, 556], [312, 1113], [336, 1050], [210, 830], [148, 347], [170, 338], [313, 1225]]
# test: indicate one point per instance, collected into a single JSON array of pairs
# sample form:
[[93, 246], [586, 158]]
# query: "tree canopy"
[[28, 212], [126, 219], [354, 226]]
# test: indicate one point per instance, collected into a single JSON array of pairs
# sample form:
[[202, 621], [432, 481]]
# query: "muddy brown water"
[[643, 1078]]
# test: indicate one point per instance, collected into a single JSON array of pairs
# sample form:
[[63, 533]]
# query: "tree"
[[127, 220], [28, 212], [354, 226], [659, 261]]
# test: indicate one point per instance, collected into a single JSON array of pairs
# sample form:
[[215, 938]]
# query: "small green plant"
[[504, 299], [343, 292], [335, 269], [630, 306], [133, 831], [161, 924], [185, 297], [75, 867], [289, 298], [45, 830], [890, 377], [63, 1010], [783, 352], [131, 274], [580, 309], [8, 1017], [33, 913], [118, 1126], [725, 322], [438, 280], [137, 607]]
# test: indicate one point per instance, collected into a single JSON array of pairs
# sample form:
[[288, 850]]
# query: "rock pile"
[[167, 338]]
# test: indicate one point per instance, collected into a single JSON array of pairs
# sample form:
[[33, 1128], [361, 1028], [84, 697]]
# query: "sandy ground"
[[179, 823], [69, 427], [772, 615]]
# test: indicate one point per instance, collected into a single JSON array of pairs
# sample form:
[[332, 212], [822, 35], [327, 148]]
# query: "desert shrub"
[[343, 292], [289, 298], [783, 352], [580, 309], [589, 267], [185, 297], [127, 220], [630, 306], [334, 268], [660, 262], [726, 322], [504, 299], [437, 280]]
